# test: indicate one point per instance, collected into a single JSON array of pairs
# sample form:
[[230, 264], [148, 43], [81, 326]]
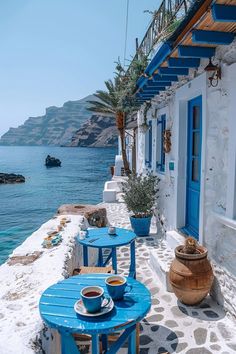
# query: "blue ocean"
[[24, 207]]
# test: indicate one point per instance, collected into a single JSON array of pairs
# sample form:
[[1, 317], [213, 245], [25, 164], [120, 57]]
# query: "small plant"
[[190, 246], [140, 194]]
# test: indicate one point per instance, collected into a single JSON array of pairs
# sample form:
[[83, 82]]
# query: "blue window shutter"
[[161, 126], [150, 144]]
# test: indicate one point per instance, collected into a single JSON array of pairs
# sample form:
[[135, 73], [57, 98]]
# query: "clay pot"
[[191, 276]]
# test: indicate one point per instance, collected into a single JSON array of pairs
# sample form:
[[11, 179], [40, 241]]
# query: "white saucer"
[[81, 310]]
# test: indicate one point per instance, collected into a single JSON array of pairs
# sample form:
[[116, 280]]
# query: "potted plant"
[[191, 274], [140, 197]]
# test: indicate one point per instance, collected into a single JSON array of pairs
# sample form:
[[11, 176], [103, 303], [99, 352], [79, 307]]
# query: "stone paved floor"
[[172, 327]]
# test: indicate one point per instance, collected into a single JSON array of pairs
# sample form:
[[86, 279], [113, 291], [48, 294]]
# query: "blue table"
[[57, 310], [99, 238]]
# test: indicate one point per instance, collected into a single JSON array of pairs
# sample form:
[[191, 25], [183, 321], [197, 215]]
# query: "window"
[[148, 146], [161, 126]]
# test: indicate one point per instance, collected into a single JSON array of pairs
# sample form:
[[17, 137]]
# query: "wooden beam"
[[188, 51], [212, 37], [173, 71], [184, 62], [160, 78], [158, 84], [159, 88], [224, 13], [196, 17]]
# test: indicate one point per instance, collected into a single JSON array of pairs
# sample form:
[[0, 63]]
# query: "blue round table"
[[99, 238], [57, 310]]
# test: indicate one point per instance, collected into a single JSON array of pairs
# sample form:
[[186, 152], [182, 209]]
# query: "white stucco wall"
[[217, 168]]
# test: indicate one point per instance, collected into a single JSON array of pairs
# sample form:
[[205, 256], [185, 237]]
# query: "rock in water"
[[9, 178], [52, 162]]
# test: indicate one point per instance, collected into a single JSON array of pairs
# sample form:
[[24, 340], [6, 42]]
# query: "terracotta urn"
[[191, 275]]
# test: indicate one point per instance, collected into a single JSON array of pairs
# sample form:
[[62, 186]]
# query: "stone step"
[[159, 261], [174, 239], [161, 258]]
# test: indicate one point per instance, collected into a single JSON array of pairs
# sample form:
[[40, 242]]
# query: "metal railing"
[[165, 20]]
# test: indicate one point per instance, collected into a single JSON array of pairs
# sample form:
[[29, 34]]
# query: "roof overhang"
[[208, 24]]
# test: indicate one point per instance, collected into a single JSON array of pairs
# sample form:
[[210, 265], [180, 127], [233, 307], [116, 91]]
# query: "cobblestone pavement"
[[172, 327]]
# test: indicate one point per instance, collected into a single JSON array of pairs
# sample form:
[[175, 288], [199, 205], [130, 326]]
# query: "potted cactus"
[[140, 193]]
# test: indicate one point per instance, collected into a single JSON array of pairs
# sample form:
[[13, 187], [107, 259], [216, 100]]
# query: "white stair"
[[161, 258]]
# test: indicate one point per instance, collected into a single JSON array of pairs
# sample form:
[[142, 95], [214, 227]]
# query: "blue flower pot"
[[141, 226]]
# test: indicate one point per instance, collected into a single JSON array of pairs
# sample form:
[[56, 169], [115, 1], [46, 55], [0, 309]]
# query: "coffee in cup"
[[92, 298], [116, 285]]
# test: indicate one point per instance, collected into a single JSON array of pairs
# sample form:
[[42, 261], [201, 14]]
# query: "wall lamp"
[[214, 73]]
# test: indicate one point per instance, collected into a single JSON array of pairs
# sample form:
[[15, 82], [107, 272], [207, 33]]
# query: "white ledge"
[[225, 220]]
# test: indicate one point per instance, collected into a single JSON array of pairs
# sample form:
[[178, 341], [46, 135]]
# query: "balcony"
[[165, 20]]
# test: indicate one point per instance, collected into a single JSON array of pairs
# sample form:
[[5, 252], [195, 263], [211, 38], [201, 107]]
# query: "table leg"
[[68, 345], [137, 337], [132, 342], [132, 269], [114, 259], [85, 255], [100, 258], [104, 343], [95, 344]]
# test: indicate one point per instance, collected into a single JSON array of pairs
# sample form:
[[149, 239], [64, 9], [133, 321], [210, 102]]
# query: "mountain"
[[56, 127], [97, 131]]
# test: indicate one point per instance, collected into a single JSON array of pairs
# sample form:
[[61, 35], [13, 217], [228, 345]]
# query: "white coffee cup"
[[82, 234], [112, 230]]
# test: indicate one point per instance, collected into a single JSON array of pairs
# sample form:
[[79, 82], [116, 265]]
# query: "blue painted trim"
[[150, 143], [145, 95], [160, 165], [157, 84], [188, 51], [159, 88], [158, 59], [193, 187], [212, 37], [224, 13], [141, 81], [184, 62], [160, 78], [173, 71], [149, 94]]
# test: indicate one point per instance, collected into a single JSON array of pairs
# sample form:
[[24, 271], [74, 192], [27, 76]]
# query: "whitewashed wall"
[[218, 187], [22, 330]]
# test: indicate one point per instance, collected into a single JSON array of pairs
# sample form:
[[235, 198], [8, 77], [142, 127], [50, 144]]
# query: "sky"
[[53, 51]]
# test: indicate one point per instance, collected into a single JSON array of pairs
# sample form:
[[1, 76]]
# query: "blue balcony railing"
[[165, 20]]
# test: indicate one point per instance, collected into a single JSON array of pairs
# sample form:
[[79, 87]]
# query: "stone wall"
[[22, 283]]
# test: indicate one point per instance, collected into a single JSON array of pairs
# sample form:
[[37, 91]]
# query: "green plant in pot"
[[140, 196]]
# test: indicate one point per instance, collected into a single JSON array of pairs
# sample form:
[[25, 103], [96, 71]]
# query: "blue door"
[[193, 166]]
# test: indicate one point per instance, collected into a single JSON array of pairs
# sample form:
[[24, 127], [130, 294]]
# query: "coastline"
[[28, 205]]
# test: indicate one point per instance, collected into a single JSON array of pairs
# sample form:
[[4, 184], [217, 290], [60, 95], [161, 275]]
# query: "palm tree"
[[110, 102], [119, 98]]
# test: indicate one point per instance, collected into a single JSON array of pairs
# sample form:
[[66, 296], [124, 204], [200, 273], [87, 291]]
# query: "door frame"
[[191, 103], [197, 87]]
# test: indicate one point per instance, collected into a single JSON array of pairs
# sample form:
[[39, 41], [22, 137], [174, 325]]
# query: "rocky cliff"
[[98, 131], [56, 127]]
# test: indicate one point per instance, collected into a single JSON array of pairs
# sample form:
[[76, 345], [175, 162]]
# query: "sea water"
[[25, 206]]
